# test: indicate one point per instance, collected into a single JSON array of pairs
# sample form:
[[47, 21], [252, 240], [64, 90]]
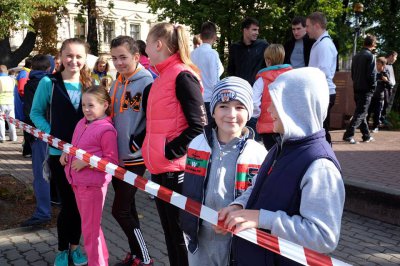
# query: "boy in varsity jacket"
[[220, 165]]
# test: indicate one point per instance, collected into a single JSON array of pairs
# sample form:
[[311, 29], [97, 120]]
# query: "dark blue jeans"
[[375, 108], [41, 187], [359, 119]]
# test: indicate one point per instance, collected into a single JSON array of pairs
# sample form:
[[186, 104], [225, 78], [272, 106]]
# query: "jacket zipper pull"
[[272, 166]]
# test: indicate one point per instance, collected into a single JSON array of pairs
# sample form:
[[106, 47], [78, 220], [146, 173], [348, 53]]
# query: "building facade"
[[125, 18]]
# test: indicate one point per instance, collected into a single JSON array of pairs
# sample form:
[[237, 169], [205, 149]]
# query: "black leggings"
[[169, 217], [124, 211], [69, 220]]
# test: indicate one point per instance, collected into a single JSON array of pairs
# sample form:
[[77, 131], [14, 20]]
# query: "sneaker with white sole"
[[369, 139], [77, 257], [350, 140]]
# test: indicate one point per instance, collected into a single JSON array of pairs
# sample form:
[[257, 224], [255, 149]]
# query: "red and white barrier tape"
[[275, 244]]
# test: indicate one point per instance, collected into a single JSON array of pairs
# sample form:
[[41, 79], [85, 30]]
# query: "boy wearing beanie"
[[299, 193], [221, 164]]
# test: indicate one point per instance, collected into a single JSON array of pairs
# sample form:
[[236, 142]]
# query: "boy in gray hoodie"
[[299, 192], [128, 99]]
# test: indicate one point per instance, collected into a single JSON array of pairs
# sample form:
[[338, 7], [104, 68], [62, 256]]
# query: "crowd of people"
[[254, 146]]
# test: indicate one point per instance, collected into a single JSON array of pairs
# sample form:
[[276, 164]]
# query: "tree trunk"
[[12, 59], [92, 37]]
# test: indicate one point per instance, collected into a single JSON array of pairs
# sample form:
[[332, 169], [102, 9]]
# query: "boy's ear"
[[136, 57]]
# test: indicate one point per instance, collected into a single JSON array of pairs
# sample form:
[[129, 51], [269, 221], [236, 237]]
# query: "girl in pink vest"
[[95, 134], [175, 115]]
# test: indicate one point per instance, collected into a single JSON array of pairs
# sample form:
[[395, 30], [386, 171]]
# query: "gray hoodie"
[[128, 114], [301, 98]]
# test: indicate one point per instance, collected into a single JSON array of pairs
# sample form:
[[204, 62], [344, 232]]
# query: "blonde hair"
[[275, 53], [101, 59], [176, 40]]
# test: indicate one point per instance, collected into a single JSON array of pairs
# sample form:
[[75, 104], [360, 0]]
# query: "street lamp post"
[[358, 9]]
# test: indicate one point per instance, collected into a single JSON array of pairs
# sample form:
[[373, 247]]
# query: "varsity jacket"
[[198, 162], [128, 114], [97, 138]]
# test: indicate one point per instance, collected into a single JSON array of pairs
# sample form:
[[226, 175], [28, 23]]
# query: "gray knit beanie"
[[233, 88]]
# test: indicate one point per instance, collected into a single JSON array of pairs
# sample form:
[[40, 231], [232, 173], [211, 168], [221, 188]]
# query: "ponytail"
[[183, 44], [176, 40]]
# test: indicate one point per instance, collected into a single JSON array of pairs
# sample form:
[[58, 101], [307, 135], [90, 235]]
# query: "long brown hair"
[[176, 39], [84, 77]]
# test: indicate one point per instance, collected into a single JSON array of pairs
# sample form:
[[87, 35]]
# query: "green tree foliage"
[[274, 16], [381, 18], [18, 14], [22, 14]]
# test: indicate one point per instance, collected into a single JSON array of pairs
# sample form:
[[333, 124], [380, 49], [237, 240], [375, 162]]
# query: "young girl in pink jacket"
[[96, 135]]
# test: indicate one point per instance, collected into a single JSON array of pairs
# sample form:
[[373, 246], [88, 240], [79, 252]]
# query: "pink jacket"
[[97, 138]]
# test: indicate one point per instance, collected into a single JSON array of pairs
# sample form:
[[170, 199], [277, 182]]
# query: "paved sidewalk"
[[375, 165], [363, 241]]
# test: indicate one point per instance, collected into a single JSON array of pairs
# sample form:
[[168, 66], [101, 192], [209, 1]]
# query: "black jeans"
[[124, 211], [359, 119], [375, 108], [327, 120], [169, 217], [69, 219]]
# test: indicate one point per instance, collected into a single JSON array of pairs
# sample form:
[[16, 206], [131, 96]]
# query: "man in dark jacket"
[[41, 66], [297, 49], [363, 73], [246, 57]]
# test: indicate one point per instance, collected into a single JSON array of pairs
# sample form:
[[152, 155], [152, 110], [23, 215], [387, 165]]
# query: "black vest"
[[64, 117]]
